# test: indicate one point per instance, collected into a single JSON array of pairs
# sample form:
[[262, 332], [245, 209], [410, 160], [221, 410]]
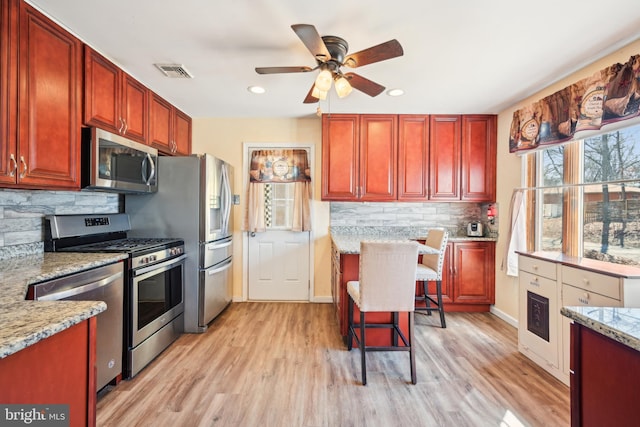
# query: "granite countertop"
[[347, 240], [619, 324], [23, 322]]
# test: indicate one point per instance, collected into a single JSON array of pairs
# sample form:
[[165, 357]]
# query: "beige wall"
[[224, 138], [509, 166]]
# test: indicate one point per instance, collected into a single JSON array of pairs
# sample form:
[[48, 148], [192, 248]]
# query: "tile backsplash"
[[453, 216], [22, 215]]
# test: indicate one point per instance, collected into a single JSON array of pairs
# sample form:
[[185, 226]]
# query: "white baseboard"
[[504, 316], [326, 299]]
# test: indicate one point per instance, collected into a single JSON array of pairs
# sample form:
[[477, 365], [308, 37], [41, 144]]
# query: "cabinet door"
[[135, 107], [378, 157], [49, 113], [478, 158], [160, 122], [413, 157], [101, 92], [447, 277], [340, 151], [182, 134], [8, 88], [444, 157], [474, 272]]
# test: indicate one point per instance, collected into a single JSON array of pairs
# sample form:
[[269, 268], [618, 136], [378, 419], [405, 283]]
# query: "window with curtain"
[[587, 197], [279, 191]]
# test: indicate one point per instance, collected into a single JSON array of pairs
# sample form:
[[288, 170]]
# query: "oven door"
[[157, 297]]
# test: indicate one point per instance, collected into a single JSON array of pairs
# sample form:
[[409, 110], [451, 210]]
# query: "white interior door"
[[279, 265]]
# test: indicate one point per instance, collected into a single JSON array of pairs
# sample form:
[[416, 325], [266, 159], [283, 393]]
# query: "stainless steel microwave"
[[113, 163]]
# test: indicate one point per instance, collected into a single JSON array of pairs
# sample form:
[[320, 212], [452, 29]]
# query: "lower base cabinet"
[[604, 380], [60, 369], [468, 276]]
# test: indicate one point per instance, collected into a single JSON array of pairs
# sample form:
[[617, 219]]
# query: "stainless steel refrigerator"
[[193, 202]]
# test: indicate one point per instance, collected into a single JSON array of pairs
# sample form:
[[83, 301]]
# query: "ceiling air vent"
[[176, 71]]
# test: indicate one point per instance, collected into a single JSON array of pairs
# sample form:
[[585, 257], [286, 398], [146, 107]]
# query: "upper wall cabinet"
[[41, 101], [478, 152], [462, 158], [408, 157], [169, 128], [114, 100], [413, 158], [359, 157]]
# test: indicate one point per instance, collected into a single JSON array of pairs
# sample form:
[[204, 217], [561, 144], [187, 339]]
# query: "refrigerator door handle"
[[226, 189]]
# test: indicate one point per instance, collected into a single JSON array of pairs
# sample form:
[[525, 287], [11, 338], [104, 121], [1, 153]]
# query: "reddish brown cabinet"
[[478, 158], [41, 107], [444, 157], [8, 88], [413, 157], [359, 157], [604, 380], [428, 158], [113, 100], [60, 369], [473, 275], [468, 276], [169, 128], [462, 158]]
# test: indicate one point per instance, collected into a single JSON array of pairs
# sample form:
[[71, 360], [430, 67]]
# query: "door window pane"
[[279, 204]]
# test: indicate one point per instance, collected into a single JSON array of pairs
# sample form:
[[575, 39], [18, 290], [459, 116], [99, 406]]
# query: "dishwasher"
[[103, 283]]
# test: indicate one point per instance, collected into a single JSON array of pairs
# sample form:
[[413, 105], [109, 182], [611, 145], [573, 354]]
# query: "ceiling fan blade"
[[310, 99], [381, 52], [312, 40], [276, 70], [364, 85]]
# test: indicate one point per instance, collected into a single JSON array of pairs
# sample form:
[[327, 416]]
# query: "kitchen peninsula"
[[605, 365], [47, 348], [468, 272]]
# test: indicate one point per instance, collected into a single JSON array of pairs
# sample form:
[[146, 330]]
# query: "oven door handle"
[[80, 289], [159, 268]]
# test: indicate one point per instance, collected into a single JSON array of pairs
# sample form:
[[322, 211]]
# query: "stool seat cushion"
[[426, 274], [353, 289]]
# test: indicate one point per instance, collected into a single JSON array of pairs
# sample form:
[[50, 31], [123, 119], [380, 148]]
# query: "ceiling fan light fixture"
[[320, 94], [323, 81], [343, 88]]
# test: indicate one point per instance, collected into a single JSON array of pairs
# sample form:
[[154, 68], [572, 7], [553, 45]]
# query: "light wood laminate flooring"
[[284, 364]]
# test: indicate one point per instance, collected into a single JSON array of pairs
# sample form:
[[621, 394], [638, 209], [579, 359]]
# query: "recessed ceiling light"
[[395, 92], [256, 89]]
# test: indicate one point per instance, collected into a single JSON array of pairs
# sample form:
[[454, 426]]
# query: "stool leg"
[[412, 356], [440, 307], [362, 350], [427, 301], [350, 324]]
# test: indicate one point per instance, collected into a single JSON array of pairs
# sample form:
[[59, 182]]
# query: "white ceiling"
[[464, 56]]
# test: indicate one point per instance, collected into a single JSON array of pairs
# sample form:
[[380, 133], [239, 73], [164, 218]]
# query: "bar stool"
[[386, 283], [431, 270]]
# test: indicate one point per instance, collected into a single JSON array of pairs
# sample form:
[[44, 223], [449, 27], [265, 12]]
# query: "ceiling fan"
[[330, 53]]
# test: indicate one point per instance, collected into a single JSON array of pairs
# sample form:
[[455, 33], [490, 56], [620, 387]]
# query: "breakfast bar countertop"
[[619, 324], [24, 322], [347, 239]]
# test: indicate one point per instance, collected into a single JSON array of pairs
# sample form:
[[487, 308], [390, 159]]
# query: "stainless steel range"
[[154, 282]]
